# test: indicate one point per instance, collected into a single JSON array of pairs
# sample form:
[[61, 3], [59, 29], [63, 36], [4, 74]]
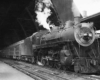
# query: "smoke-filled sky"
[[66, 10], [90, 6]]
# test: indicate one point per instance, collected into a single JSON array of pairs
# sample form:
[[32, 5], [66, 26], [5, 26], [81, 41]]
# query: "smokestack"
[[77, 19], [84, 14]]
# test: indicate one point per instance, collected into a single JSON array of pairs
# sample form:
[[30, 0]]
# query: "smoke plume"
[[43, 12]]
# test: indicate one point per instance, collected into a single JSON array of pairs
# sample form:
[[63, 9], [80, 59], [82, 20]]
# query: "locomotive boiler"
[[71, 47]]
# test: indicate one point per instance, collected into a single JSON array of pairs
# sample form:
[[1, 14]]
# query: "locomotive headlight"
[[87, 37], [84, 35]]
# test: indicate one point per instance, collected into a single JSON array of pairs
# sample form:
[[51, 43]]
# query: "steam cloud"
[[43, 12]]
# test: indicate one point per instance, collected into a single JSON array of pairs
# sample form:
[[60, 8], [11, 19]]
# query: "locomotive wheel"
[[32, 60], [44, 61], [77, 68], [84, 69], [57, 65]]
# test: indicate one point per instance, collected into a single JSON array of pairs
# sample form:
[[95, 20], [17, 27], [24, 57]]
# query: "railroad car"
[[13, 51], [5, 53], [21, 50], [27, 53]]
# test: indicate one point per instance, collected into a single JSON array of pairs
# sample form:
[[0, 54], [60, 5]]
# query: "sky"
[[90, 6]]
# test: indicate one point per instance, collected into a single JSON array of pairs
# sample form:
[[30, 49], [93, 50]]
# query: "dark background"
[[17, 20]]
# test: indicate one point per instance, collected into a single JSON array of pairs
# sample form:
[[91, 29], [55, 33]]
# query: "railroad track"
[[36, 74], [26, 71], [47, 73]]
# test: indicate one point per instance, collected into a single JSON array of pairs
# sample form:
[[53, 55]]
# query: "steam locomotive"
[[72, 47]]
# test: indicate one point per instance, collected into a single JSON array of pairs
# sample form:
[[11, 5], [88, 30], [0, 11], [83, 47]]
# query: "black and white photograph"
[[49, 40]]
